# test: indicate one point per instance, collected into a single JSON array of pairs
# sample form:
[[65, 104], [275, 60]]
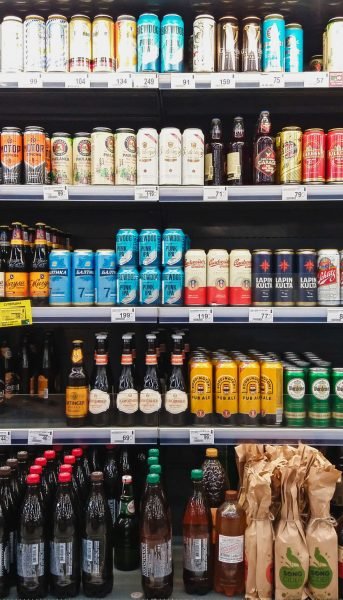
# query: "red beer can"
[[313, 156], [334, 156]]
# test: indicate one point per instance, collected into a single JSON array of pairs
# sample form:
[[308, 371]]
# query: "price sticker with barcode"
[[147, 192], [201, 315], [122, 314], [55, 192], [294, 192], [145, 80], [272, 80], [40, 437], [335, 315], [182, 81], [77, 80], [261, 315], [5, 437], [215, 193], [120, 80], [201, 436], [123, 436], [223, 81], [316, 79], [30, 80]]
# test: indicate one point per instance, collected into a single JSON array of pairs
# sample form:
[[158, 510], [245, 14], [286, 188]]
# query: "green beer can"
[[294, 389], [319, 405], [337, 397]]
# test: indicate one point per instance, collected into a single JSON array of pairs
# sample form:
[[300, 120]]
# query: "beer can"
[[103, 44], [148, 43], [82, 162], [12, 45], [295, 400], [204, 40], [57, 44], [173, 247], [341, 274], [201, 390], [105, 278], [11, 155], [273, 54], [313, 156], [252, 44], [102, 156], [61, 158], [170, 160], [34, 44], [294, 55], [83, 280], [284, 277], [227, 44], [328, 277], [278, 157], [334, 45], [316, 63], [147, 156], [319, 400], [149, 248], [193, 157], [217, 282], [127, 247], [262, 278], [173, 279], [325, 50], [80, 44], [226, 391], [150, 286], [34, 155], [240, 278], [195, 278], [271, 392], [337, 396], [60, 278], [291, 155], [47, 159], [172, 44], [126, 44], [249, 396], [334, 156], [306, 277], [127, 286], [125, 157]]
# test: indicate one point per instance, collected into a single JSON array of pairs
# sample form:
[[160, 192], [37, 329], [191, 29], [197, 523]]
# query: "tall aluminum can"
[[147, 156], [204, 40], [126, 44], [80, 44], [172, 44], [334, 54], [227, 44], [294, 54], [34, 44], [334, 156], [103, 44], [341, 273], [291, 155], [252, 44], [217, 282], [102, 161], [11, 155], [125, 157], [170, 156], [284, 277], [57, 44], [61, 158], [195, 278], [313, 156], [273, 55], [82, 172], [148, 43], [193, 157], [262, 277], [328, 277], [34, 155], [240, 277], [12, 45], [306, 277]]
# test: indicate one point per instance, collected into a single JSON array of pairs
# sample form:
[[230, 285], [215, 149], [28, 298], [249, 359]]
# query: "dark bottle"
[[214, 155], [24, 366], [94, 459], [58, 457], [214, 478], [47, 491], [64, 545], [197, 540], [340, 556], [97, 559], [2, 381], [112, 481], [11, 378], [85, 464], [27, 247], [150, 396], [140, 463], [100, 385], [176, 400], [17, 277], [127, 393], [238, 159], [124, 462], [39, 275], [80, 475], [46, 377], [155, 543], [77, 391], [10, 513], [126, 530], [38, 470], [23, 471], [2, 278], [264, 157], [5, 242], [13, 464], [74, 487], [50, 470], [4, 551]]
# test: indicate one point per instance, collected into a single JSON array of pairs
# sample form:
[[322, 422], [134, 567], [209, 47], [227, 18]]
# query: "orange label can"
[[11, 155], [271, 392], [249, 392], [34, 155], [201, 390], [226, 391]]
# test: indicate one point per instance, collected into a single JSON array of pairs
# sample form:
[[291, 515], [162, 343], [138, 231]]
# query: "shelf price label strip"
[[123, 314], [261, 315], [5, 437], [40, 437], [201, 436], [335, 315], [123, 436], [16, 313]]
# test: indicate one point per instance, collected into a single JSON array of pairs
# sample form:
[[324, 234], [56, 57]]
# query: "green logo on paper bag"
[[320, 574], [292, 575]]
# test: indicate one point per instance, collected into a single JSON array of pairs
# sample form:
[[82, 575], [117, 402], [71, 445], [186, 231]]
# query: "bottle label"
[[61, 558], [2, 284], [76, 356], [234, 169], [112, 505], [151, 359], [150, 401], [226, 396], [265, 161], [17, 285], [127, 401], [30, 560], [76, 402], [99, 402], [196, 552], [177, 359], [176, 402], [101, 359], [39, 285], [4, 559], [208, 167], [126, 359], [340, 562], [231, 548], [93, 557], [156, 559], [43, 387]]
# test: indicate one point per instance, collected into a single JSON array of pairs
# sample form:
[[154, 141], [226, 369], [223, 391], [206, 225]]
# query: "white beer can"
[[12, 45], [80, 44], [328, 277], [193, 157], [147, 156], [34, 44], [204, 37], [102, 156], [334, 54], [217, 277], [240, 277], [170, 156], [57, 44], [195, 278], [125, 157], [103, 44]]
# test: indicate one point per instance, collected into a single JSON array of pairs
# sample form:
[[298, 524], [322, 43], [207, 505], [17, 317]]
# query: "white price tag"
[[182, 81], [55, 192], [5, 437], [201, 315], [223, 81], [316, 79], [123, 436], [294, 192], [201, 436], [217, 193], [272, 80], [145, 80], [123, 314], [40, 437], [336, 79], [260, 315], [78, 80], [147, 192], [30, 80], [335, 315], [120, 80]]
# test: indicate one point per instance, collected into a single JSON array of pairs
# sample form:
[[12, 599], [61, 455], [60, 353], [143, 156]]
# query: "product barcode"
[[89, 552], [62, 553], [34, 554], [197, 549]]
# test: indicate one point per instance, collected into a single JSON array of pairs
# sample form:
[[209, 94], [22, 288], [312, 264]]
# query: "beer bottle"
[[50, 472], [11, 378], [214, 155], [4, 552], [150, 397], [32, 236], [48, 238], [46, 379], [112, 481], [13, 464], [127, 394], [27, 248], [16, 276], [9, 509], [238, 159], [77, 391], [5, 243], [80, 474], [2, 382], [100, 386], [39, 275], [23, 471], [24, 366], [126, 530], [264, 158], [176, 400], [2, 277]]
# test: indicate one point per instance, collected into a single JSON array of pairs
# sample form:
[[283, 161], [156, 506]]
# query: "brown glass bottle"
[[176, 410], [150, 396], [17, 277], [264, 158], [4, 551], [5, 241], [100, 385], [77, 391], [45, 376], [238, 159], [214, 478], [126, 530], [215, 156], [127, 393], [39, 275]]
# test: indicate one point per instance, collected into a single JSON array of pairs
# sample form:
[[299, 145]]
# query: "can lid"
[[305, 250], [34, 17], [57, 16], [204, 16], [274, 16], [61, 134], [291, 128], [80, 16], [82, 134], [103, 129], [103, 17], [228, 18], [294, 26], [211, 452], [336, 129], [148, 14], [126, 18], [252, 17], [13, 18], [314, 129], [284, 250], [124, 130]]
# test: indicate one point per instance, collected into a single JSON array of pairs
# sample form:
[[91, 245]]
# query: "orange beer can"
[[34, 155], [11, 155], [226, 391], [249, 399], [201, 390], [271, 392]]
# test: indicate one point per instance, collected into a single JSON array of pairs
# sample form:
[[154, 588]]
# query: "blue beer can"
[[148, 43], [273, 50], [172, 44], [127, 247], [127, 286], [294, 61], [306, 277], [173, 247], [150, 286], [187, 242], [284, 277], [105, 278], [60, 278], [149, 248], [173, 281], [262, 278], [82, 289]]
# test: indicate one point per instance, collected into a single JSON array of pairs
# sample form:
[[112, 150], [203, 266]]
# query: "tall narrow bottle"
[[127, 393], [24, 366], [17, 276], [126, 530], [9, 511], [80, 475], [4, 552], [39, 272], [150, 397], [77, 391], [238, 160], [23, 471], [176, 410], [100, 385], [214, 155], [50, 471], [45, 376], [264, 159], [13, 464], [11, 378], [112, 482]]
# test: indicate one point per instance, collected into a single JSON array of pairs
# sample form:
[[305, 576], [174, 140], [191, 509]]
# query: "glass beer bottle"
[[264, 167], [77, 391]]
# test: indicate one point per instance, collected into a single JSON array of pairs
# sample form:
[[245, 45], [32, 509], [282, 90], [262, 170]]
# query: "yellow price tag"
[[16, 313]]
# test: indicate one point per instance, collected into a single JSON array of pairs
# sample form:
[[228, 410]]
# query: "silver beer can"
[[34, 44], [170, 162], [103, 44], [147, 156], [57, 44], [193, 157], [204, 40], [252, 44], [328, 277], [227, 44], [12, 45], [80, 44]]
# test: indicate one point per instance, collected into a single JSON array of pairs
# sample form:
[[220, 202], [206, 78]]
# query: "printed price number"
[[316, 79], [294, 192], [5, 437], [145, 80], [55, 192], [272, 80], [123, 436], [78, 80], [123, 315], [261, 315], [201, 436], [201, 315], [31, 80], [120, 80], [16, 313], [223, 81], [147, 192], [41, 437], [335, 315], [215, 193], [182, 81]]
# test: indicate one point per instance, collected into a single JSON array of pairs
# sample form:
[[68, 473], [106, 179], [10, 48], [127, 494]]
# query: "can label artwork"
[[240, 278], [62, 159], [83, 288], [103, 44], [291, 155], [172, 286], [149, 286], [204, 44], [148, 42], [252, 45], [306, 276], [273, 56], [127, 286], [34, 44], [192, 157], [294, 59], [313, 167], [217, 278], [328, 279], [82, 174], [172, 44], [147, 156], [11, 155], [173, 246], [34, 155], [57, 44], [126, 44], [60, 278], [149, 248], [170, 160], [102, 157], [105, 278], [125, 157], [195, 278], [262, 278], [80, 44], [12, 45], [127, 247], [284, 278], [334, 156]]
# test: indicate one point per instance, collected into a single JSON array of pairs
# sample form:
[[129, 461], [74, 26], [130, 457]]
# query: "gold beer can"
[[249, 398], [291, 155], [226, 391], [271, 392]]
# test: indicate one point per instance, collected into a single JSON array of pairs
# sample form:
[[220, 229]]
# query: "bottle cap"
[[196, 475], [77, 452], [153, 478], [64, 477], [32, 479], [152, 460], [126, 479], [41, 461], [22, 455], [97, 476], [12, 463], [231, 495], [109, 446], [5, 471], [50, 454], [66, 469], [36, 470], [153, 452], [157, 469], [212, 452], [69, 459]]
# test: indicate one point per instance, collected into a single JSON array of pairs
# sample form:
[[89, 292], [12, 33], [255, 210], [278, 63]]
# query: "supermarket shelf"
[[233, 314], [84, 435], [90, 314]]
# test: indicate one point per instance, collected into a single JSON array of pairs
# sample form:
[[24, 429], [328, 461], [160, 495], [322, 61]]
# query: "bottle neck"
[[216, 133], [77, 356], [264, 126], [238, 130]]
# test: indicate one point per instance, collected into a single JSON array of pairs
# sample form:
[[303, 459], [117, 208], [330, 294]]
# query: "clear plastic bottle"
[[215, 478]]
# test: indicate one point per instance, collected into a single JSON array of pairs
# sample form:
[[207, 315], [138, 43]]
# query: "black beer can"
[[262, 278], [284, 277]]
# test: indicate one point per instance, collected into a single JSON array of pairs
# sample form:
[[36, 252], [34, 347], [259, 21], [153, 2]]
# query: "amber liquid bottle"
[[238, 159], [100, 388], [150, 397], [77, 391], [214, 155], [46, 377], [127, 393], [17, 276], [264, 167], [176, 409], [39, 275]]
